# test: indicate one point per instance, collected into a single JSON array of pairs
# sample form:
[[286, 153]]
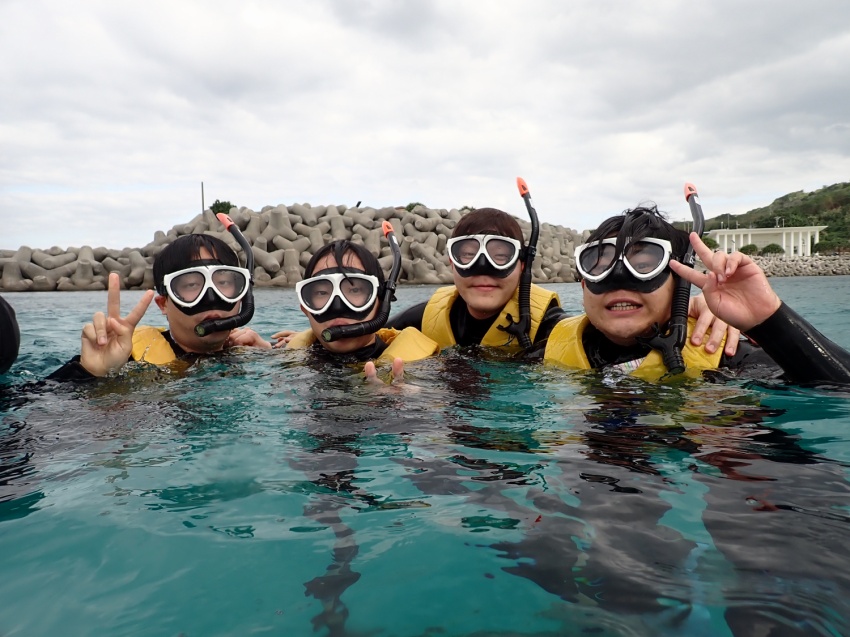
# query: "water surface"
[[259, 493]]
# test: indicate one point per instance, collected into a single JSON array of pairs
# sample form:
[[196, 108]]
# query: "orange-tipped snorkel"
[[340, 332], [246, 312], [522, 328], [670, 344]]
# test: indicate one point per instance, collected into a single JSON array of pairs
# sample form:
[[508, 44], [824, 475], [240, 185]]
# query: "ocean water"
[[256, 493]]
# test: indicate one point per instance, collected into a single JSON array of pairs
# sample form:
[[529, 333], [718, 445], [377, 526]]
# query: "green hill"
[[827, 206]]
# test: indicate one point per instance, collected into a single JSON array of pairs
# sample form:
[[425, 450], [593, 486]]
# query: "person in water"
[[344, 286], [629, 267], [486, 254], [10, 336], [198, 281]]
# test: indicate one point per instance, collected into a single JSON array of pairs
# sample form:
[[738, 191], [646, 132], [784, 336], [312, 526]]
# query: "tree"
[[771, 249], [749, 249], [409, 207], [831, 247], [711, 243], [221, 206]]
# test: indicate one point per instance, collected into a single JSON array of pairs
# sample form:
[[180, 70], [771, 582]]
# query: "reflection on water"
[[266, 492]]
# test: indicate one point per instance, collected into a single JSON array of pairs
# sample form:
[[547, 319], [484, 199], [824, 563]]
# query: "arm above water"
[[738, 292]]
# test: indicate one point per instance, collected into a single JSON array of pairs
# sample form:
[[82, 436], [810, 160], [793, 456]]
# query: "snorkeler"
[[630, 267], [486, 255], [203, 293], [488, 259], [10, 336], [347, 300]]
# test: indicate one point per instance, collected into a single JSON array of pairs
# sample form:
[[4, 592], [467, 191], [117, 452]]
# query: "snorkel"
[[522, 328], [670, 344], [339, 332], [247, 311]]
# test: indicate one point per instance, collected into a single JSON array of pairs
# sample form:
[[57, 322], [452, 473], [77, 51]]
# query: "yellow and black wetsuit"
[[785, 346], [446, 319], [409, 344]]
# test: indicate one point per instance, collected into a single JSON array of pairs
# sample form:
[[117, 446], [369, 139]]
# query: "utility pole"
[[202, 198]]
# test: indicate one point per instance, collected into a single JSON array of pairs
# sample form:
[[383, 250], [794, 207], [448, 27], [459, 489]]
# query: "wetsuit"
[[468, 330], [790, 349], [368, 353], [74, 371], [10, 336], [408, 345]]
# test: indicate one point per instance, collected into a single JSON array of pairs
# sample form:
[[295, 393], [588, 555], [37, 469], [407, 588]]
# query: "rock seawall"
[[283, 238], [815, 265]]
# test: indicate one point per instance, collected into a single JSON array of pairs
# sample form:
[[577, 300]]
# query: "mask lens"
[[597, 259], [356, 291], [501, 252], [316, 294], [187, 287], [230, 284], [644, 257], [465, 251]]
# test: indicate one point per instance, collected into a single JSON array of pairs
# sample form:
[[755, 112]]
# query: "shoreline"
[[283, 238]]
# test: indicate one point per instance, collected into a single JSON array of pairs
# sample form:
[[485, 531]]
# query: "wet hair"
[[339, 249], [639, 223], [183, 251], [488, 221]]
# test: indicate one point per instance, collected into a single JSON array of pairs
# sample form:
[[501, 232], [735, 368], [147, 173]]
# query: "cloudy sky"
[[113, 113]]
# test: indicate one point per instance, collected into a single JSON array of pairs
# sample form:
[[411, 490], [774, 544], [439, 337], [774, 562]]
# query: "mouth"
[[336, 322], [623, 306]]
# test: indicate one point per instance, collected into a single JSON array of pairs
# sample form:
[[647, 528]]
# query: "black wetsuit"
[[74, 371], [468, 330], [10, 336], [368, 353], [788, 348]]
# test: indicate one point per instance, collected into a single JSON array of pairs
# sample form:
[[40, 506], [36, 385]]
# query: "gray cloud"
[[109, 122]]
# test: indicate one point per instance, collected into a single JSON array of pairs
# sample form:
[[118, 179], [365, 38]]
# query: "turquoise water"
[[258, 494]]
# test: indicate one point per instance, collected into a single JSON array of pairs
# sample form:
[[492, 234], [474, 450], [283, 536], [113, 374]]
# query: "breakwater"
[[282, 239]]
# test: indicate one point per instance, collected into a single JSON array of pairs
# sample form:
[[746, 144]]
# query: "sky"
[[112, 114]]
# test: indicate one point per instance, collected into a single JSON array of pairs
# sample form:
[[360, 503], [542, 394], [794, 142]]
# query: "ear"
[[160, 301], [582, 285]]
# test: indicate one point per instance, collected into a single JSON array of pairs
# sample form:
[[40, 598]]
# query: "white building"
[[797, 241]]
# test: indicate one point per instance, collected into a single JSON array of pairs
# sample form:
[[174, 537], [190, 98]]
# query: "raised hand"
[[735, 288], [372, 374], [698, 309], [107, 341]]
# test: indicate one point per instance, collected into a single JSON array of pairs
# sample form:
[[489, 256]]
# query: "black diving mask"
[[641, 266], [484, 255], [338, 293]]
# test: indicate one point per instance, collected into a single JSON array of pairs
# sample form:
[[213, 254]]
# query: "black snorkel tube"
[[339, 332], [522, 328], [247, 311], [670, 344]]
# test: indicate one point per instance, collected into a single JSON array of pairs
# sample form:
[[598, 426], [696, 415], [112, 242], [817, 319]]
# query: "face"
[[345, 345], [485, 296], [621, 315], [182, 325]]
